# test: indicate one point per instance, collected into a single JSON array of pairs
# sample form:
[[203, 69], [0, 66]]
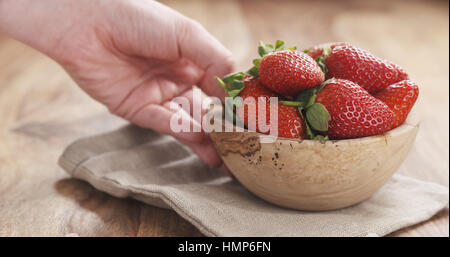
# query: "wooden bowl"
[[314, 175]]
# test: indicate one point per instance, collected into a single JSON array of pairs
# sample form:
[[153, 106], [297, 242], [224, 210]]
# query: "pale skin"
[[133, 56]]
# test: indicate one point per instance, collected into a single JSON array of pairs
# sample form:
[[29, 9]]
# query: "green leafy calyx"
[[315, 115], [263, 50], [318, 117], [232, 83]]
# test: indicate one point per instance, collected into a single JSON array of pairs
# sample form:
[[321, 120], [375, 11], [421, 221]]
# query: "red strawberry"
[[400, 97], [317, 51], [314, 52], [254, 88], [354, 112], [357, 65], [288, 72], [289, 123], [402, 75]]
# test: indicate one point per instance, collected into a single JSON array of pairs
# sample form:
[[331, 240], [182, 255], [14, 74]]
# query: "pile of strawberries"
[[330, 91]]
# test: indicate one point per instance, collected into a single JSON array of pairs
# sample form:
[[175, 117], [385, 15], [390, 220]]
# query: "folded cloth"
[[158, 170]]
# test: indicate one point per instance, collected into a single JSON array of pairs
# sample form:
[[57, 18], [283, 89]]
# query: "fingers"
[[161, 119], [205, 151], [196, 106], [227, 171], [158, 117], [196, 44]]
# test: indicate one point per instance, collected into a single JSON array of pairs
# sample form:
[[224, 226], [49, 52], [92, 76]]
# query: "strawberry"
[[289, 123], [288, 72], [357, 65], [285, 71], [400, 97], [317, 51], [341, 109], [254, 88], [314, 52], [354, 112]]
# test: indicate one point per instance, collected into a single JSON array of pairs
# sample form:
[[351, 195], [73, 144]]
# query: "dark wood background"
[[42, 110]]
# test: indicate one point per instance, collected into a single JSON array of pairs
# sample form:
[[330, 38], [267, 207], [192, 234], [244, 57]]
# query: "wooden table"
[[42, 110]]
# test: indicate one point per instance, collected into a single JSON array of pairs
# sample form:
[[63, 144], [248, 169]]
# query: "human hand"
[[134, 56]]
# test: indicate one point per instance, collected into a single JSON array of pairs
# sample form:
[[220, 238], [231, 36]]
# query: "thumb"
[[199, 46]]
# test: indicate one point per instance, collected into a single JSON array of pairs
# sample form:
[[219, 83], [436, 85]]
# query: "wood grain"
[[301, 175], [42, 110]]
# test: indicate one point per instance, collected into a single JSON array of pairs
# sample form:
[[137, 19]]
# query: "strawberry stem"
[[222, 84], [292, 103]]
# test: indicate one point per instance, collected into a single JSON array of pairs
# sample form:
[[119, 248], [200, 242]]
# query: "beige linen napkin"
[[156, 169]]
